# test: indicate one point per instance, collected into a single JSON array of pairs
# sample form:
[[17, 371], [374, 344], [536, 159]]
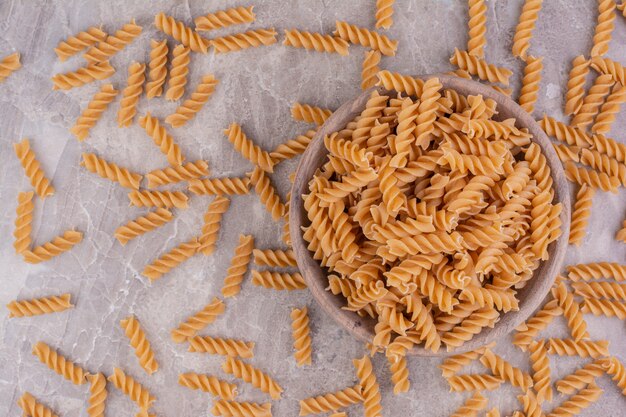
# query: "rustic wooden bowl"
[[530, 297]]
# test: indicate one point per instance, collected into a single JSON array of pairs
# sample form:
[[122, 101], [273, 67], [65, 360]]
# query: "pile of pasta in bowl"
[[429, 214]]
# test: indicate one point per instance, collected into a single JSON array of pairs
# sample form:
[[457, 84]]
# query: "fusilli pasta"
[[76, 43], [225, 18], [194, 104], [55, 247], [238, 266], [111, 171], [130, 94], [113, 43], [248, 149], [90, 116], [140, 343], [239, 41], [171, 259], [525, 27], [162, 139], [199, 321], [178, 73], [143, 224], [183, 34], [219, 346], [208, 383], [316, 41], [32, 169], [8, 65], [38, 306], [59, 364], [212, 223], [133, 389], [301, 336], [253, 376], [157, 70], [23, 222], [83, 75]]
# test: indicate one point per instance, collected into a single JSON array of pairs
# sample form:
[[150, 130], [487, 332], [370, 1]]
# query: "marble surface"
[[257, 88]]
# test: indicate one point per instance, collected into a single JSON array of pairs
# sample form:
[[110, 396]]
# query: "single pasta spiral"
[[591, 178], [212, 222], [580, 215], [274, 257], [369, 386], [399, 375], [239, 41], [473, 382], [503, 369], [113, 43], [243, 409], [8, 65], [59, 364], [368, 38], [609, 109], [426, 111], [581, 377], [171, 259], [583, 348], [595, 97], [576, 85], [278, 280], [219, 186], [565, 133], [138, 341], [111, 171], [530, 83], [479, 67], [32, 169], [610, 147], [183, 34], [208, 383], [579, 401], [143, 224], [477, 28], [267, 193], [350, 183], [453, 364], [162, 139], [292, 147], [130, 94], [248, 149], [603, 289], [97, 395], [310, 114], [193, 105], [469, 327], [610, 67], [596, 270], [238, 266], [527, 331], [157, 70], [177, 173], [617, 371], [55, 247], [253, 376], [525, 27], [316, 41], [370, 69], [606, 308], [225, 18], [331, 401], [23, 221], [162, 199], [219, 346], [400, 83], [301, 336], [178, 73], [133, 389], [530, 404], [472, 406], [604, 27], [32, 408], [74, 44], [199, 321], [38, 306], [384, 13], [82, 76], [90, 116]]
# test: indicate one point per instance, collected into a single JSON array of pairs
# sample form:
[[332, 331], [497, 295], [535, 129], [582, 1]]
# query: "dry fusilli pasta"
[[241, 409], [143, 224], [97, 395], [130, 94], [59, 364], [76, 43], [225, 18], [212, 222], [178, 73], [177, 173], [157, 70], [542, 384], [384, 13], [503, 369], [82, 76], [369, 386], [316, 41], [616, 370], [111, 171], [219, 346], [55, 247], [113, 43], [38, 306], [208, 383], [331, 401], [480, 68], [361, 36], [239, 41], [370, 69], [310, 114], [90, 116], [609, 109], [171, 259], [583, 348], [267, 193], [32, 407], [248, 149], [238, 266], [580, 215], [23, 221], [593, 100], [32, 169], [571, 311], [530, 83], [606, 308], [477, 402], [604, 27], [219, 186], [473, 382], [578, 402], [274, 257], [596, 270], [133, 389], [576, 85], [162, 199], [183, 34], [199, 321], [278, 280], [301, 336], [194, 104], [253, 376], [162, 139], [525, 27], [581, 377], [138, 341], [477, 28]]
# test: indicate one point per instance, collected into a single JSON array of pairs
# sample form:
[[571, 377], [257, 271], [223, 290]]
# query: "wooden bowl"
[[530, 297]]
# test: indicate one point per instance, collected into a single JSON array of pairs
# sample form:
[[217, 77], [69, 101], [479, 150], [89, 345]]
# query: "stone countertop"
[[256, 88]]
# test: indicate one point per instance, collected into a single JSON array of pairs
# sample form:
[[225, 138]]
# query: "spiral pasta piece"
[[453, 364], [525, 27], [162, 199], [469, 327], [596, 270], [208, 383], [576, 84], [248, 149], [527, 331], [133, 389], [603, 289], [292, 147], [530, 83], [140, 343], [310, 114], [238, 266], [581, 377], [401, 83], [427, 111], [178, 73], [480, 68], [97, 395], [59, 364], [604, 27], [571, 311], [76, 43], [220, 186], [113, 43], [565, 133], [301, 336], [369, 386], [590, 177], [578, 402], [370, 68], [111, 171], [193, 105], [90, 116], [399, 375], [580, 215], [384, 13], [477, 28], [171, 259], [542, 384], [55, 247], [610, 147], [595, 97], [241, 409], [530, 404], [199, 321], [274, 257], [368, 38], [38, 306], [567, 153], [331, 401], [503, 300], [426, 243], [616, 370], [212, 222], [177, 173], [477, 402], [267, 193], [606, 308], [32, 407], [253, 376], [183, 34], [23, 221], [239, 41], [610, 67], [157, 70], [130, 94], [609, 109], [225, 18], [8, 65], [32, 169], [503, 369], [473, 382], [219, 346], [143, 224], [583, 348], [316, 41], [162, 139], [350, 183], [91, 72], [278, 280]]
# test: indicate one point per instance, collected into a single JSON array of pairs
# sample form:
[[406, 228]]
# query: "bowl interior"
[[530, 297]]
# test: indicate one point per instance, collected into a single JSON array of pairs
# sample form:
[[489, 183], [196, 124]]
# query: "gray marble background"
[[256, 89]]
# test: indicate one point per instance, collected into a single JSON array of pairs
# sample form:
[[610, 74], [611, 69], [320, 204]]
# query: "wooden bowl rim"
[[315, 276]]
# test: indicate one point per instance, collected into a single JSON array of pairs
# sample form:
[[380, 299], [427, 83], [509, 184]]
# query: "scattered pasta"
[[278, 280], [133, 389], [23, 222], [162, 139], [32, 169], [140, 343], [219, 346], [178, 73], [76, 43], [33, 408], [331, 401], [310, 114], [39, 306], [212, 223], [177, 173], [238, 266], [97, 395], [59, 364], [248, 149], [208, 383], [525, 27], [194, 104], [255, 377], [171, 259], [90, 116], [384, 13], [301, 336], [477, 28], [92, 72], [370, 69], [111, 171], [316, 41], [130, 94], [157, 70], [199, 321], [183, 34], [143, 224], [162, 199], [225, 18], [53, 248], [239, 41], [365, 37], [105, 49], [580, 215]]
